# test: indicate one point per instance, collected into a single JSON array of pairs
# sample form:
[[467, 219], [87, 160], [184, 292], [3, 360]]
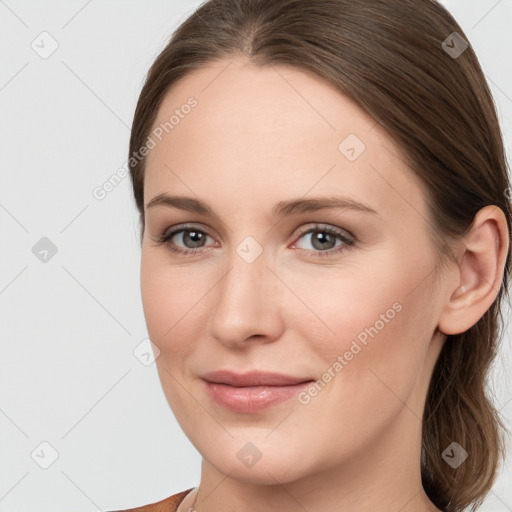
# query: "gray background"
[[69, 326]]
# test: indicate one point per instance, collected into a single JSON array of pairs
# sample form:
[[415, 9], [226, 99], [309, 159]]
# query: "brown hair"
[[388, 56]]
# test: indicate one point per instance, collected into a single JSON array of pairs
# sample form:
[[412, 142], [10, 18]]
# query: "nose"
[[248, 305]]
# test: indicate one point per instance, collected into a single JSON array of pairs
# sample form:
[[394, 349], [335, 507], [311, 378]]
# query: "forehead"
[[270, 132]]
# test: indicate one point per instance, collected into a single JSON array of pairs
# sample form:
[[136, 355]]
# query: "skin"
[[260, 135]]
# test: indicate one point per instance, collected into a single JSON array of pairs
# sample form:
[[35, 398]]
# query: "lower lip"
[[252, 398]]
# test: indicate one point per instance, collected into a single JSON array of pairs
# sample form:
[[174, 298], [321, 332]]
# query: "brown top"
[[169, 504]]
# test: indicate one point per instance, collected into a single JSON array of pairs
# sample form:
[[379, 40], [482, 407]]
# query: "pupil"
[[321, 238], [194, 234]]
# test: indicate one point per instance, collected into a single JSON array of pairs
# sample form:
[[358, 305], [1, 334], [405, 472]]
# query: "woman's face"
[[265, 286]]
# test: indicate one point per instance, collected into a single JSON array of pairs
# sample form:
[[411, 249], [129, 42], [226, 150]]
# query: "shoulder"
[[169, 504]]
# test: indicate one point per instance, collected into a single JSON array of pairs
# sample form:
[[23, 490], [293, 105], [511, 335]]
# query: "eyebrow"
[[281, 209]]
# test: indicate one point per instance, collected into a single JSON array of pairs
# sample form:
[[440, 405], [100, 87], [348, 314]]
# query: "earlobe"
[[480, 271]]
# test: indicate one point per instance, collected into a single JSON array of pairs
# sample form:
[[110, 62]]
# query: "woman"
[[350, 376]]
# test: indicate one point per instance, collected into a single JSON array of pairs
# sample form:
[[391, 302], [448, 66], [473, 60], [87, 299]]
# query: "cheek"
[[369, 328], [370, 366], [177, 303], [333, 306], [167, 294]]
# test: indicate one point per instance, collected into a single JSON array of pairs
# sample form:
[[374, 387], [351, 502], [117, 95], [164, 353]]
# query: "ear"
[[481, 267]]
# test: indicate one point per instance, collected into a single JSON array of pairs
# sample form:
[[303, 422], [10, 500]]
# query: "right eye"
[[188, 234]]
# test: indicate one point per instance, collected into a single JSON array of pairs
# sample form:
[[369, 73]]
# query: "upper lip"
[[252, 378]]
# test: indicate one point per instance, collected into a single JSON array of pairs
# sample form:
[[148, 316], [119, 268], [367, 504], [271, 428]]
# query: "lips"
[[253, 378], [253, 391]]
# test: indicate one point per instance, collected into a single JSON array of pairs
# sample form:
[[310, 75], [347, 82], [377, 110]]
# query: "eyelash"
[[348, 243]]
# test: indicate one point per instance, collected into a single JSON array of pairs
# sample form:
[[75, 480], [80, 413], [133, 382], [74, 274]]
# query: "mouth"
[[253, 378], [239, 396]]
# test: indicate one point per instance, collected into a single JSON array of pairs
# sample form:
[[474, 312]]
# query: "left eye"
[[323, 239]]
